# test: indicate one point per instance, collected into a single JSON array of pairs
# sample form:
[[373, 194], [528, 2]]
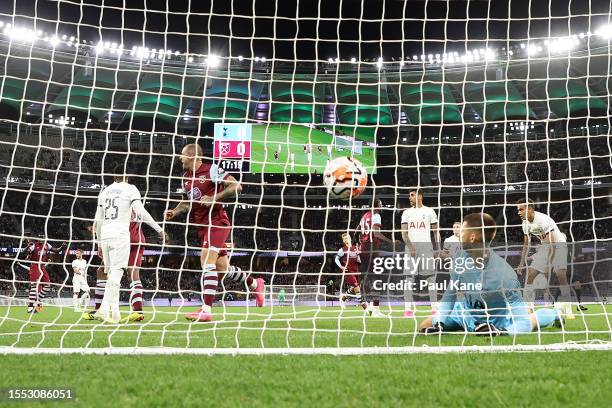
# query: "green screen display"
[[301, 149]]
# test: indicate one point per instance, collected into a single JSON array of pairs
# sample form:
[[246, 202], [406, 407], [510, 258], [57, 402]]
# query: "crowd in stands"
[[53, 191]]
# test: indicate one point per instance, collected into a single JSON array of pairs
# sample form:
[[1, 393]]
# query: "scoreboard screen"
[[232, 150], [289, 148]]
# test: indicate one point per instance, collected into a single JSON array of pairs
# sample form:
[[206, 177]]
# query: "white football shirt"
[[452, 245], [115, 210], [419, 222], [541, 226], [81, 266]]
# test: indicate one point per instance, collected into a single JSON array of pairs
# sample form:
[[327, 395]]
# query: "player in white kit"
[[79, 282], [418, 223], [112, 227], [452, 244], [550, 255]]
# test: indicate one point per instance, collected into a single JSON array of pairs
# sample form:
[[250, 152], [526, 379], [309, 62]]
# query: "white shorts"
[[79, 283], [425, 258], [539, 260], [116, 253]]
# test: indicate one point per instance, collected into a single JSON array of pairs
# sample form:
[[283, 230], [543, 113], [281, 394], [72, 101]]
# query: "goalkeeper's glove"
[[437, 328], [488, 329]]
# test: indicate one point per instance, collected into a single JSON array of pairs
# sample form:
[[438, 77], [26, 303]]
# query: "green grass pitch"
[[292, 138], [507, 379]]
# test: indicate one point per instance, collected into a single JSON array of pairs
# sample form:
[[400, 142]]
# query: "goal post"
[[466, 122]]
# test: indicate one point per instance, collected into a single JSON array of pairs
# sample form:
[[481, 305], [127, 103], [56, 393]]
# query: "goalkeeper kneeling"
[[490, 301]]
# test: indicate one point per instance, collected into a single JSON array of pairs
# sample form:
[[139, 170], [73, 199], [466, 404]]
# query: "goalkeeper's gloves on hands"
[[488, 329], [437, 328]]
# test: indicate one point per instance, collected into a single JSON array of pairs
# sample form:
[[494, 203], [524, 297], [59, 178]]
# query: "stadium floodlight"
[[353, 60], [100, 48], [605, 31], [532, 49], [54, 41], [263, 59], [212, 61], [330, 60], [379, 62], [240, 58], [1, 24]]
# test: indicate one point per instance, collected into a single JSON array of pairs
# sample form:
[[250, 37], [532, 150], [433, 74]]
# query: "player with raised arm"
[[116, 203], [369, 243], [491, 302], [550, 255], [79, 282], [206, 186], [348, 261], [452, 244], [419, 222], [38, 252]]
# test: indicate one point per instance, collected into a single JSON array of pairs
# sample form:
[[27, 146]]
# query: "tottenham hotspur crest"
[[202, 179]]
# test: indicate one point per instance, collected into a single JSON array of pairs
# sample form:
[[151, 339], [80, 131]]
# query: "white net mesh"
[[476, 107]]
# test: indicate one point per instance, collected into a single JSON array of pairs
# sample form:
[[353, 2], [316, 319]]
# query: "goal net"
[[452, 108]]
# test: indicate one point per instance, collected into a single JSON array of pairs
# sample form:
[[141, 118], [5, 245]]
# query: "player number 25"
[[110, 204]]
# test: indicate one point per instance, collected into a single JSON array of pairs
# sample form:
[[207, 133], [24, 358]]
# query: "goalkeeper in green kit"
[[281, 296]]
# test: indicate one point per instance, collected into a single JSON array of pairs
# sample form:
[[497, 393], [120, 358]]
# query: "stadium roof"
[[48, 85]]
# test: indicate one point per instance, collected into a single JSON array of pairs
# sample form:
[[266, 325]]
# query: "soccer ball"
[[345, 177]]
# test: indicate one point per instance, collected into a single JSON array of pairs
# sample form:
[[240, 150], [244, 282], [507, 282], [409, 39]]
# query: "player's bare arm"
[[436, 237], [407, 241], [549, 241], [58, 249], [379, 235], [525, 249], [231, 188], [181, 208]]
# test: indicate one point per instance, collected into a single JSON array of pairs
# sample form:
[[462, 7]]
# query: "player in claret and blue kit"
[[206, 186], [348, 261], [491, 302], [40, 284]]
